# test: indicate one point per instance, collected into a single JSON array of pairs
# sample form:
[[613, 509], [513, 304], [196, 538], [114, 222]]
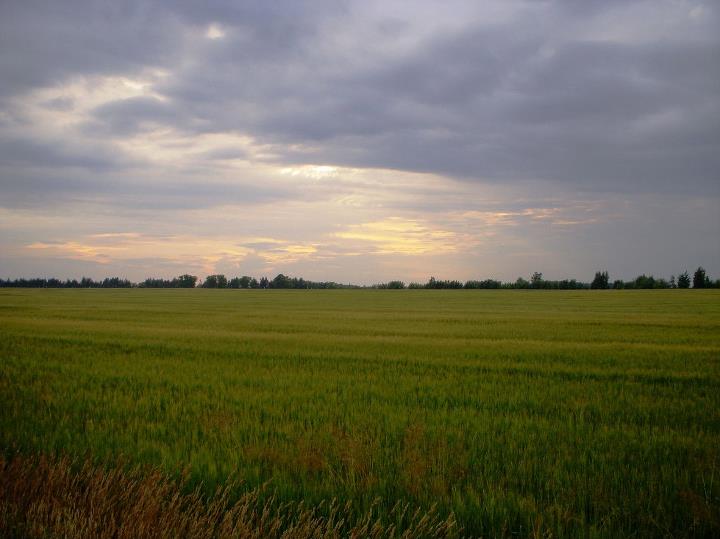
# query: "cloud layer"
[[428, 132]]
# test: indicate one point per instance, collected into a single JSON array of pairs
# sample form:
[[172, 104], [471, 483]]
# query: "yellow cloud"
[[315, 172], [200, 252], [117, 235], [77, 251], [113, 247], [552, 215], [396, 235], [288, 253]]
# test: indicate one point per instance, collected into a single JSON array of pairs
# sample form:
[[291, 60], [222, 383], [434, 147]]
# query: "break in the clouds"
[[359, 141]]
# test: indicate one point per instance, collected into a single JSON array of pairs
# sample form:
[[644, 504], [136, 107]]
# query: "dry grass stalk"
[[44, 497]]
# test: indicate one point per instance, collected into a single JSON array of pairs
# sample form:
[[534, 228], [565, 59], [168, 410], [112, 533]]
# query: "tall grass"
[[521, 413], [50, 497]]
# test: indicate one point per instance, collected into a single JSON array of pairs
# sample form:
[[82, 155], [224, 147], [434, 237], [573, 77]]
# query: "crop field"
[[511, 413]]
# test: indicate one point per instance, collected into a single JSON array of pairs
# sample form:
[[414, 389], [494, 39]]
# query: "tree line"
[[280, 281], [182, 281], [601, 281]]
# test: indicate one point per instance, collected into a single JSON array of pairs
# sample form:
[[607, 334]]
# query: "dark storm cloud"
[[548, 91]]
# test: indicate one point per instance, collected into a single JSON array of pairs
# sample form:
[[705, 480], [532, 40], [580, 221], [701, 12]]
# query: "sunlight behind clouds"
[[214, 31], [315, 172]]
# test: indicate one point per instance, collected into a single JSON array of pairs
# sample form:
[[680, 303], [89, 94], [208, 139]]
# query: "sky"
[[359, 141]]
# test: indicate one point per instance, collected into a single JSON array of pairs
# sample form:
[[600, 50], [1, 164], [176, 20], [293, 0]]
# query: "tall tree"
[[699, 278], [683, 280], [601, 281]]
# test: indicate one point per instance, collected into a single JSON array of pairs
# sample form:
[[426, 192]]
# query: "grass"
[[519, 413], [41, 497]]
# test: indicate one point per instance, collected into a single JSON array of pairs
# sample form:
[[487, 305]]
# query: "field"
[[521, 413]]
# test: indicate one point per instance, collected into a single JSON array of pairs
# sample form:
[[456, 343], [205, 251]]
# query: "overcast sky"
[[359, 141]]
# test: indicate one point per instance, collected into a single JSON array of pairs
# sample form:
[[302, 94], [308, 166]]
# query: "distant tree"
[[644, 281], [264, 283], [486, 284], [117, 282], [432, 283], [187, 281], [437, 284], [618, 284], [299, 283], [536, 280], [215, 281], [521, 283], [700, 278], [683, 280], [601, 281], [673, 283], [661, 283], [396, 285], [281, 281]]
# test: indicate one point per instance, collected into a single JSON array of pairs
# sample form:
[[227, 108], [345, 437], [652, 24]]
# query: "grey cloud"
[[519, 99], [129, 116], [228, 153], [44, 43], [37, 188], [485, 103], [60, 103], [453, 70], [26, 152]]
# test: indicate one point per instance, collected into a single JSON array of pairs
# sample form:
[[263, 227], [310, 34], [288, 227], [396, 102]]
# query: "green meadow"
[[523, 413]]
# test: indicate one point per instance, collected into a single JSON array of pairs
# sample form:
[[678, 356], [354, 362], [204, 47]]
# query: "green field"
[[564, 414]]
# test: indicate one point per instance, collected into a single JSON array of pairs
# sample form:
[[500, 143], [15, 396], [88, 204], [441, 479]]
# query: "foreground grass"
[[521, 413], [42, 497]]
